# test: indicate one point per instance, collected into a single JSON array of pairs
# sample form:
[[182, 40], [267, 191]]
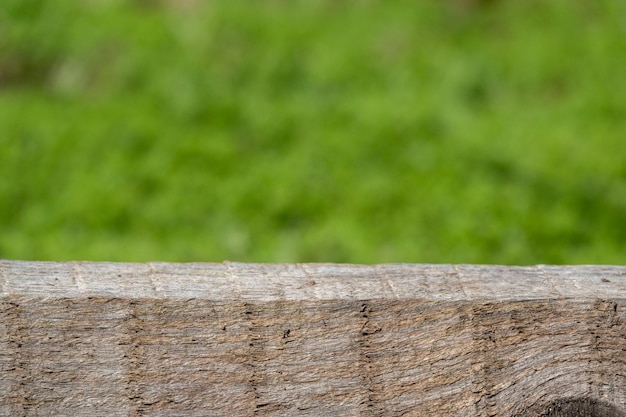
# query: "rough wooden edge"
[[312, 339], [270, 282]]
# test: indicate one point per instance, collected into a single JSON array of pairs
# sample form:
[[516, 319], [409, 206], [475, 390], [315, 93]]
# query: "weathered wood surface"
[[106, 339]]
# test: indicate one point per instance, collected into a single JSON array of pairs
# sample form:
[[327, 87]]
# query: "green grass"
[[318, 130]]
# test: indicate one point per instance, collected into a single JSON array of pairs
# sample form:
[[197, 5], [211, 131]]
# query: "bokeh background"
[[313, 130]]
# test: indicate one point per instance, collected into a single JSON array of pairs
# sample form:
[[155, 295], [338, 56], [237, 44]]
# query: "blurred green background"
[[317, 130]]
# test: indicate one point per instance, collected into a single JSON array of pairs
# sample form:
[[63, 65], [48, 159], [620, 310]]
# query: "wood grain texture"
[[232, 339]]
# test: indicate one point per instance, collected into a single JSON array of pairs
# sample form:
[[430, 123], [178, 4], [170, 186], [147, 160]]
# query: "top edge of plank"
[[231, 281]]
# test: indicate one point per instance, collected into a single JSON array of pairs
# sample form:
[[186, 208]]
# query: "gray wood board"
[[237, 339]]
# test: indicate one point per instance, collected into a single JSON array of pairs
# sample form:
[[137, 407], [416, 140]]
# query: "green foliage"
[[318, 130]]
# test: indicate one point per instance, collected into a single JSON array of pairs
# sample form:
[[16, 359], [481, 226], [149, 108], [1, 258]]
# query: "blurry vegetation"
[[313, 130]]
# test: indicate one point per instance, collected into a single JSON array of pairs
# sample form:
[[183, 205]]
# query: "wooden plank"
[[311, 339]]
